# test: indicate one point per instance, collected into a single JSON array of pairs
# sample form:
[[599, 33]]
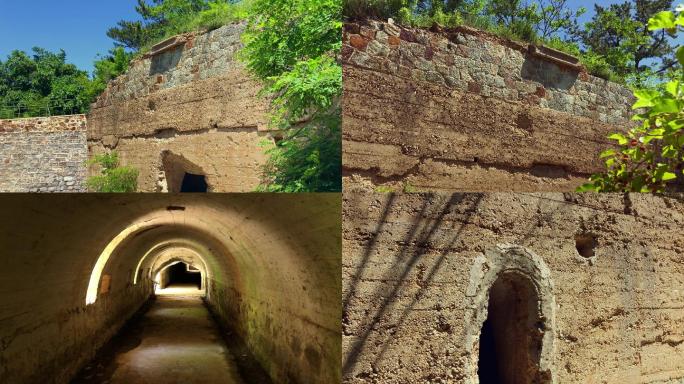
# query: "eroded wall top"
[[464, 110], [470, 60], [187, 83]]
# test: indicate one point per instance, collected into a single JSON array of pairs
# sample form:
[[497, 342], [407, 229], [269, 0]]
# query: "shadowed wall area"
[[512, 288], [270, 265]]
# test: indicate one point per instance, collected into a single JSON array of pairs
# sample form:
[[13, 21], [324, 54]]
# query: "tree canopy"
[[42, 83]]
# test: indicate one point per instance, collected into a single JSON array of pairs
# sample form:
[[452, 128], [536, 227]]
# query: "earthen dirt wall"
[[415, 270], [194, 99], [463, 110]]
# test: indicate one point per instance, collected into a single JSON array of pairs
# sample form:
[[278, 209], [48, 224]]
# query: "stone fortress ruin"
[[187, 115], [465, 110], [512, 288]]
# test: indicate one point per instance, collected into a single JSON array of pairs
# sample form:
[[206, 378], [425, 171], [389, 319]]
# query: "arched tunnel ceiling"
[[161, 254], [240, 237]]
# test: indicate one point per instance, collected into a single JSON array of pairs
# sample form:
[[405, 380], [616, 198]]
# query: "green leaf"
[[645, 98], [668, 176], [666, 105], [662, 20], [610, 152], [680, 55], [621, 139], [672, 87]]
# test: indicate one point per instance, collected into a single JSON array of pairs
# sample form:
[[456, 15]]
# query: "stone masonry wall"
[[464, 110], [193, 99], [43, 154], [415, 270]]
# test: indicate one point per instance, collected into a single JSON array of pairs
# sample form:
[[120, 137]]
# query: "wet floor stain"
[[175, 340]]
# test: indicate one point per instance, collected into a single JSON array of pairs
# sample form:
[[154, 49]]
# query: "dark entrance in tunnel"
[[511, 337], [181, 274], [194, 183]]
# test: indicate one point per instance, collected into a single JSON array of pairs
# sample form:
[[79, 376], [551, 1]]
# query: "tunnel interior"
[[511, 336], [180, 274], [269, 267], [194, 183]]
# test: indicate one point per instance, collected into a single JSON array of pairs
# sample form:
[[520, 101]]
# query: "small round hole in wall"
[[586, 245]]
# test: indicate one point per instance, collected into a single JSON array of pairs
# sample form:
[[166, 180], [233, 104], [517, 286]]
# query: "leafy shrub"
[[650, 156], [220, 13], [291, 46], [598, 66], [113, 178], [374, 8]]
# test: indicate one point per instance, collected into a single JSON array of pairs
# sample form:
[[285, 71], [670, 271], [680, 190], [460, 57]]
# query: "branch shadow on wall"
[[416, 245]]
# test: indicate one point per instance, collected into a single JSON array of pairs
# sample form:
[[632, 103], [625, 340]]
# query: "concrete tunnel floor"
[[173, 339]]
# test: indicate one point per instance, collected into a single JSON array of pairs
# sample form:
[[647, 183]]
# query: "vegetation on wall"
[[614, 44], [651, 156], [291, 46], [160, 19], [112, 177]]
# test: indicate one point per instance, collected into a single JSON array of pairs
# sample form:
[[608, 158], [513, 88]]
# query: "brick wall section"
[[408, 262], [464, 110], [43, 154]]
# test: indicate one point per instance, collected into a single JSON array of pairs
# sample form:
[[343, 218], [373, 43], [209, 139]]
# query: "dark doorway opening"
[[181, 274], [511, 337], [194, 183], [182, 175]]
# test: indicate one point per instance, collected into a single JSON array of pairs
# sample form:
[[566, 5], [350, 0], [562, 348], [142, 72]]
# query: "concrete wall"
[[43, 154], [194, 100], [272, 266], [463, 110], [417, 269]]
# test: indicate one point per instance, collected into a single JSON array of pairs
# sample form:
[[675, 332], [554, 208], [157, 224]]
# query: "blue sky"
[[77, 26]]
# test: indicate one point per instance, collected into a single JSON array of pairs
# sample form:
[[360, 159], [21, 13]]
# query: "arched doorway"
[[181, 175], [178, 277], [511, 338], [509, 319]]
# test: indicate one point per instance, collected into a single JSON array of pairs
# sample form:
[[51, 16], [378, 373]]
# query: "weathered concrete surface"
[[195, 100], [417, 270], [272, 265], [176, 341], [465, 111], [43, 154]]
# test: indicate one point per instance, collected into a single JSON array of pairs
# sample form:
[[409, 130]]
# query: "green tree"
[[42, 84], [112, 65], [649, 158], [112, 178], [165, 18], [620, 35], [291, 46]]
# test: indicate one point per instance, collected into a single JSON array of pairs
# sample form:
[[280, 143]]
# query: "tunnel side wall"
[[291, 321], [464, 110], [274, 261], [69, 337], [43, 154], [193, 99], [411, 262]]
